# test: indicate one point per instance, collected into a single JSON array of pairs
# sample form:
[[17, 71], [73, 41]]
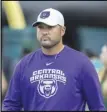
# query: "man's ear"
[[63, 29]]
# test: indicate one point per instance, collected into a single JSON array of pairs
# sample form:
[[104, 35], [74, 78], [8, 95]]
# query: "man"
[[54, 77]]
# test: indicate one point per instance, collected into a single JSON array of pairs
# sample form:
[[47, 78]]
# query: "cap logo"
[[45, 14]]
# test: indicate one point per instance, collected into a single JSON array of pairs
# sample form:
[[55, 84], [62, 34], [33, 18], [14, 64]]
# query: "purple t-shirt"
[[66, 81]]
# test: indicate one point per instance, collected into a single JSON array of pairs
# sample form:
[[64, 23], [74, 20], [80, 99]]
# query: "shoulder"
[[28, 58], [77, 55]]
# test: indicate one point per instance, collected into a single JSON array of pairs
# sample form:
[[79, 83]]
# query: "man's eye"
[[50, 27], [40, 26], [45, 27]]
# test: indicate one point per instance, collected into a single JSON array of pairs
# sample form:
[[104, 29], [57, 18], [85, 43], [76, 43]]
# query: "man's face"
[[49, 36], [103, 55]]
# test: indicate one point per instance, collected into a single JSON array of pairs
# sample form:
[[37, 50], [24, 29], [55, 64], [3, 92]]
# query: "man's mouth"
[[44, 38]]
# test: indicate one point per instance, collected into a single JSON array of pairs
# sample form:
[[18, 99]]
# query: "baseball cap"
[[51, 17]]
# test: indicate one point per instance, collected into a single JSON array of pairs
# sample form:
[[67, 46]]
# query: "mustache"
[[45, 37]]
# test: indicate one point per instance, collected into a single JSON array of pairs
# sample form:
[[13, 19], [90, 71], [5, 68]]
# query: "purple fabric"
[[66, 81]]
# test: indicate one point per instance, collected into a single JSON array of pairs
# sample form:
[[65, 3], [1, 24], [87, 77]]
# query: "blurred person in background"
[[55, 77], [103, 73], [95, 59], [91, 54], [24, 52], [7, 67], [4, 85]]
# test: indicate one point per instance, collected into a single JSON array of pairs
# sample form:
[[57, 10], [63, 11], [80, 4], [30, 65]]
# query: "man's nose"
[[45, 32]]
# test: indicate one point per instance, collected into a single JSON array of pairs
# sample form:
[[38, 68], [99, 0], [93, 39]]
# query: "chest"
[[49, 80]]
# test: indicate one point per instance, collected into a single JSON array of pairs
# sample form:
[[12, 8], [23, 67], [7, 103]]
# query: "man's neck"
[[54, 50]]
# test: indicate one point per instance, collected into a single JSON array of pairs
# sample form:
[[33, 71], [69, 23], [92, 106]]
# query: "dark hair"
[[90, 53], [26, 51]]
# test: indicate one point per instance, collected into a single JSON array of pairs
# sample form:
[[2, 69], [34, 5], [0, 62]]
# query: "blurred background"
[[86, 23]]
